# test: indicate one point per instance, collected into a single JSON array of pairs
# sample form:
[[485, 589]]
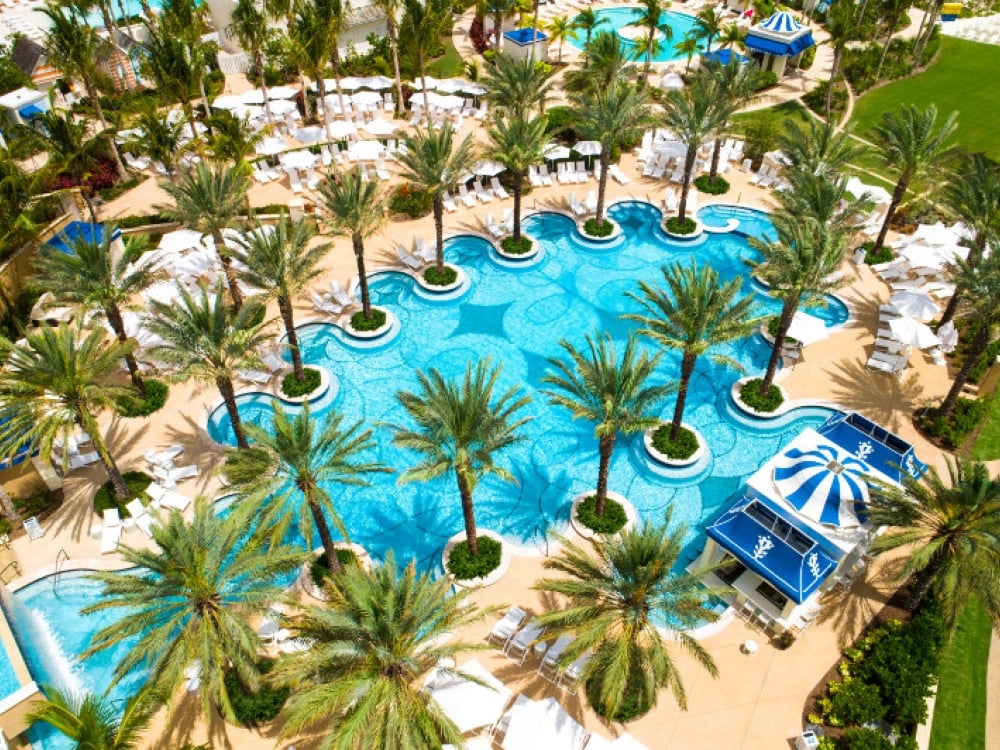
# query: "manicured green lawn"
[[987, 445], [962, 79], [960, 712], [449, 65]]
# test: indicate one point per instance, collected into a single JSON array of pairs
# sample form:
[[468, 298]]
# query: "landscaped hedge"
[[684, 447], [295, 388], [255, 707], [410, 200], [156, 396], [440, 277], [676, 226], [520, 246], [751, 396], [319, 570], [105, 499], [131, 222], [611, 522], [707, 185], [464, 566], [952, 431], [604, 229], [772, 328], [375, 321]]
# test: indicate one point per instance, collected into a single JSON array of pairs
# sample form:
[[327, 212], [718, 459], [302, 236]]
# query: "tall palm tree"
[[188, 601], [91, 276], [209, 342], [842, 20], [248, 25], [892, 13], [688, 46], [819, 147], [693, 312], [951, 534], [420, 33], [707, 26], [606, 61], [92, 722], [186, 22], [284, 477], [821, 198], [167, 61], [310, 44], [160, 139], [614, 116], [436, 164], [973, 193], [279, 260], [559, 30], [518, 144], [731, 36], [55, 381], [338, 15], [234, 140], [73, 46], [616, 591], [587, 21], [652, 17], [515, 86], [391, 9], [208, 199], [615, 395], [356, 207], [797, 267], [737, 84], [460, 427], [380, 631], [911, 145]]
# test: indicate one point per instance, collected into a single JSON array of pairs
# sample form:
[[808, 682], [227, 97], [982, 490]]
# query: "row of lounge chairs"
[[517, 637]]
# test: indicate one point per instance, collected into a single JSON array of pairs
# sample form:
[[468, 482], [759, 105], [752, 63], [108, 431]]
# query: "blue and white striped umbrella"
[[781, 22], [823, 483]]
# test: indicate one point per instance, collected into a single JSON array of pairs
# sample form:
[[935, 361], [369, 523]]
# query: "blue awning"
[[876, 446], [723, 56], [78, 230], [773, 47], [30, 110], [774, 546]]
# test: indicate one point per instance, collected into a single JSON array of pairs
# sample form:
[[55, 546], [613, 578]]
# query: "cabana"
[[777, 40], [518, 44], [76, 231]]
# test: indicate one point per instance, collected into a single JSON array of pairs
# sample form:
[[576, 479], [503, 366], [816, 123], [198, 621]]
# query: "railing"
[[61, 556], [3, 573]]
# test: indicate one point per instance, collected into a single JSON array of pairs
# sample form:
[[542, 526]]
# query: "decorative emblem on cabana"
[[763, 546], [813, 562], [865, 449]]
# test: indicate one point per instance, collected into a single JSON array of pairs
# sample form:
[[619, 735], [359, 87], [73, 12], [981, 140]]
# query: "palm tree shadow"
[[851, 610], [879, 396]]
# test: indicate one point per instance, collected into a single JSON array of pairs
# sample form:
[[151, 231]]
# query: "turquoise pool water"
[[620, 18], [516, 315], [8, 680]]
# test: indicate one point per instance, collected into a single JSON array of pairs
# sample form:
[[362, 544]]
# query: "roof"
[[775, 546], [26, 54], [76, 230], [20, 97], [781, 22], [523, 36], [884, 451], [822, 481], [723, 56], [770, 46]]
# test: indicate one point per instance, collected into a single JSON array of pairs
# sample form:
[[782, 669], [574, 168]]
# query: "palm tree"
[[249, 27], [587, 21], [614, 116], [731, 36], [160, 139], [892, 13], [460, 427], [615, 395], [616, 592], [950, 532], [284, 477], [433, 162], [420, 33], [559, 30], [819, 148], [692, 313], [209, 342], [208, 199], [517, 86], [378, 634], [820, 198], [707, 26], [338, 15], [391, 10], [74, 47], [279, 260], [185, 22], [842, 19], [910, 145], [167, 61], [234, 140], [357, 207], [56, 381], [188, 602], [652, 16], [737, 84], [688, 47], [91, 722], [797, 267], [310, 44], [606, 61], [91, 276], [518, 144]]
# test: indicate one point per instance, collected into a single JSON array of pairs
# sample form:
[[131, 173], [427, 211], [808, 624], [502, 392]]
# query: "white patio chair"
[[143, 519], [523, 642], [533, 177], [498, 190], [111, 532], [548, 668], [505, 628], [408, 259], [466, 197], [544, 176], [448, 202]]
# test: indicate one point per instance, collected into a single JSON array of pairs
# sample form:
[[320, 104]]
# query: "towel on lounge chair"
[[143, 520], [112, 531]]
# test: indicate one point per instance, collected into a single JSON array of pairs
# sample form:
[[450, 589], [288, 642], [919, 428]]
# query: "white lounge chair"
[[544, 176], [590, 202], [505, 628], [323, 305], [143, 520], [166, 498], [170, 477], [549, 666], [571, 675], [111, 532], [533, 177], [165, 456], [257, 377], [498, 190], [523, 642], [448, 202], [422, 250], [483, 193], [466, 197], [408, 259], [79, 460], [617, 175], [495, 230]]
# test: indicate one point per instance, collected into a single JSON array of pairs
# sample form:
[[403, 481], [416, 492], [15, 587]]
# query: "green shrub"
[[562, 123], [255, 707], [520, 246], [883, 255], [319, 569], [440, 277], [36, 504], [611, 522], [676, 226], [967, 330], [864, 738], [952, 430], [109, 194], [271, 208], [761, 135], [464, 566], [765, 80], [131, 222], [854, 702], [707, 185], [5, 527], [683, 447], [603, 229], [634, 704], [772, 328], [751, 396], [410, 200], [372, 323], [156, 396], [807, 59], [295, 388], [104, 498]]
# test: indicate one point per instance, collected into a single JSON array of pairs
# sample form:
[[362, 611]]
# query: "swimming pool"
[[620, 18], [516, 316]]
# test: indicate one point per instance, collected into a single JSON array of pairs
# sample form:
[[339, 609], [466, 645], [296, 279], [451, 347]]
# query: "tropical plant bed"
[[376, 319], [465, 566], [258, 706], [717, 186], [319, 569], [521, 246], [105, 499], [156, 396], [312, 379], [632, 706], [440, 276], [675, 227], [601, 230], [681, 449], [764, 403], [950, 432], [611, 521]]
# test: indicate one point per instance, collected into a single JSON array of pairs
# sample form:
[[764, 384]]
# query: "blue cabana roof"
[[723, 56], [77, 230], [774, 47], [523, 36], [781, 22], [873, 444], [774, 546], [30, 110]]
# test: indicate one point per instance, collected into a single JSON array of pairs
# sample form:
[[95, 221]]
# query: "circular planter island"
[[375, 333], [306, 581], [494, 575], [326, 380], [632, 518], [460, 280], [698, 231], [517, 257], [616, 231], [662, 458], [742, 406]]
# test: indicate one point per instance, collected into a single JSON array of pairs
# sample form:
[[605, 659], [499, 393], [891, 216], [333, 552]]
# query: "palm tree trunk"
[[713, 170], [305, 95], [321, 104], [468, 512], [359, 257], [787, 312], [975, 256], [976, 348], [918, 52], [258, 61], [897, 197], [390, 27], [335, 59], [325, 538], [227, 268], [606, 445], [423, 84], [602, 184], [99, 111], [689, 158], [9, 511], [438, 204], [687, 368], [920, 584], [288, 320], [204, 103], [834, 68], [114, 317], [534, 31], [497, 27], [518, 188], [885, 50], [225, 386], [952, 307], [114, 473]]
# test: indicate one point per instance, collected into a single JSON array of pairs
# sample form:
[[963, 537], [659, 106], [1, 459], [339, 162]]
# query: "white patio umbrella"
[[913, 333], [164, 292], [467, 703], [935, 234], [542, 725], [914, 304], [948, 336], [445, 101], [309, 134], [922, 256], [282, 106], [670, 149], [451, 85], [350, 83], [281, 92], [807, 328], [298, 159], [418, 85], [250, 111], [342, 129], [671, 82], [366, 97], [366, 150], [379, 127], [253, 96], [378, 83], [180, 240], [587, 148], [271, 145], [476, 89], [227, 101], [556, 151], [489, 168]]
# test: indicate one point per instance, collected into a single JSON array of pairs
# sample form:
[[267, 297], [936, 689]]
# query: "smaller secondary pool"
[[752, 222], [618, 20]]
